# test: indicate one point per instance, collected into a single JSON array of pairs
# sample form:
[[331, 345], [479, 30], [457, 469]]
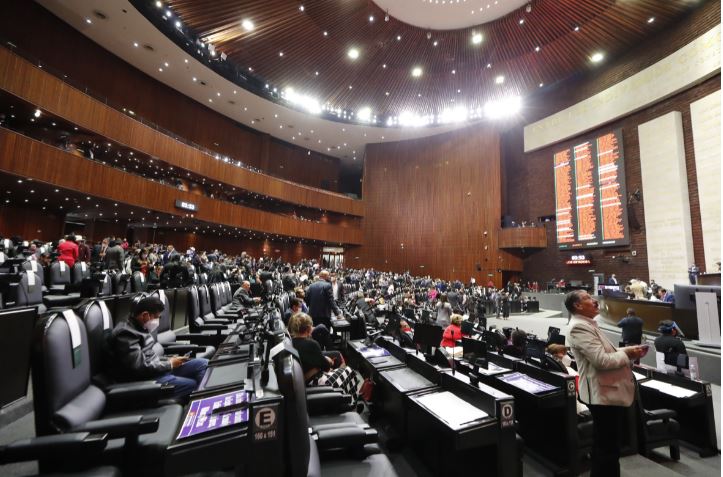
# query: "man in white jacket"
[[607, 384]]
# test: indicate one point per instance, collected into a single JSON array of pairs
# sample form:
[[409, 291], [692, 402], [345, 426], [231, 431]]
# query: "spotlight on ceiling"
[[597, 57], [353, 53], [476, 38], [364, 114], [37, 113], [386, 16], [503, 107], [417, 71], [500, 79], [247, 24]]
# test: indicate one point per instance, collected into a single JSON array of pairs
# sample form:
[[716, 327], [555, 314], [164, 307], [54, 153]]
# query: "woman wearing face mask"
[[138, 356]]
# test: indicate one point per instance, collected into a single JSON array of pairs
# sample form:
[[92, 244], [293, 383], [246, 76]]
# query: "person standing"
[[607, 384], [320, 298], [632, 327]]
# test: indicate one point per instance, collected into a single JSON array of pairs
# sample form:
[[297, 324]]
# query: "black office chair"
[[347, 449], [139, 283], [29, 291], [80, 271], [120, 283], [168, 338], [657, 428], [65, 400], [76, 447], [37, 268]]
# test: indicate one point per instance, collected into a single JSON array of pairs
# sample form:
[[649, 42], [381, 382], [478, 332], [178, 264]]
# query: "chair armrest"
[[321, 390], [217, 321], [76, 444], [663, 414], [208, 327], [125, 426], [328, 403], [182, 348], [345, 438], [136, 395]]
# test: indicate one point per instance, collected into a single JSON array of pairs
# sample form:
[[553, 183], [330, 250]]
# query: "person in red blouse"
[[453, 332], [68, 251]]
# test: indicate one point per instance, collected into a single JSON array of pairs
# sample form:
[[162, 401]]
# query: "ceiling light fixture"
[[353, 53], [301, 8], [247, 24], [597, 57], [500, 79], [417, 71], [476, 38], [651, 19]]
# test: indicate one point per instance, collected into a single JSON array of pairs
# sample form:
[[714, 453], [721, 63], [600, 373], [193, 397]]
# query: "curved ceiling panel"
[[447, 14]]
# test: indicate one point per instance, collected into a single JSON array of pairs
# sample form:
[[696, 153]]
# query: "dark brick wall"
[[530, 182]]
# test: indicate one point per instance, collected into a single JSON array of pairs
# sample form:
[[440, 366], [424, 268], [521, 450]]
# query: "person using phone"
[[607, 385], [138, 356]]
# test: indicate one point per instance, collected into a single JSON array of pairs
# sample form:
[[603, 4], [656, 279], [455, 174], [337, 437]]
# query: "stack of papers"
[[492, 368], [670, 389], [453, 410]]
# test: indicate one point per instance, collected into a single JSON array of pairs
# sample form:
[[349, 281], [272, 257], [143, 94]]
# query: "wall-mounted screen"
[[590, 196]]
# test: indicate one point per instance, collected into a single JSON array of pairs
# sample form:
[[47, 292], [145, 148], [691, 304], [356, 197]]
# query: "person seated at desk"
[[243, 295], [320, 369], [632, 328], [406, 335], [559, 354], [517, 348], [138, 356], [453, 332], [669, 342]]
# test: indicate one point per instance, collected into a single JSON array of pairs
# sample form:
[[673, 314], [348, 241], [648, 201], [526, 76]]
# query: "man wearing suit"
[[243, 295], [607, 384], [612, 280], [337, 288], [320, 298]]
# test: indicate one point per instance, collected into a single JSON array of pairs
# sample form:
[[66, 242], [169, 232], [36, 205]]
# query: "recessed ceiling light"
[[371, 18], [651, 19], [135, 43], [88, 21], [353, 53], [185, 60], [434, 43], [500, 79], [597, 57], [489, 65], [281, 53], [159, 4], [541, 85], [454, 72], [417, 71], [247, 24], [165, 64], [537, 48], [301, 8], [577, 28], [399, 37], [522, 21], [384, 66], [194, 79], [326, 33], [476, 38]]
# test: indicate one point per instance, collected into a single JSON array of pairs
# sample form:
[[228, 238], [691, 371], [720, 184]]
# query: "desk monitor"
[[685, 296], [16, 336], [557, 339], [467, 328], [535, 348], [494, 340], [473, 349], [427, 336]]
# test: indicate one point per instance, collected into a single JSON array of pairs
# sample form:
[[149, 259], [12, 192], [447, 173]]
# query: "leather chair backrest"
[[99, 324], [63, 395], [290, 378], [59, 273], [164, 332], [37, 268], [203, 278], [216, 294], [107, 287], [138, 282], [81, 270], [193, 310], [228, 293], [121, 283], [30, 294], [203, 302]]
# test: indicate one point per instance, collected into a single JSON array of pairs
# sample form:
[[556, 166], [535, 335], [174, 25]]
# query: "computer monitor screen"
[[551, 331], [685, 295], [473, 349], [16, 334], [428, 335], [535, 348], [467, 327]]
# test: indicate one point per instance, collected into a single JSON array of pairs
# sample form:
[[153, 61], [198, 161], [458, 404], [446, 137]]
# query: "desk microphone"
[[453, 346]]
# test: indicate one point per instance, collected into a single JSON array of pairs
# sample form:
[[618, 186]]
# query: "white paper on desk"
[[455, 352], [492, 368], [669, 389], [660, 362], [638, 376], [451, 409]]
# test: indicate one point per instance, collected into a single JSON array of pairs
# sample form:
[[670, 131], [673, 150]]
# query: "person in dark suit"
[[632, 328], [243, 295], [669, 341], [612, 280], [320, 298]]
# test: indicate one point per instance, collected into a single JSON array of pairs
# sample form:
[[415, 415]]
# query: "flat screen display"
[[590, 195]]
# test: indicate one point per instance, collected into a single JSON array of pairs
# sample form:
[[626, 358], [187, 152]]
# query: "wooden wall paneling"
[[30, 224], [429, 202], [523, 237], [29, 158], [38, 87], [53, 41]]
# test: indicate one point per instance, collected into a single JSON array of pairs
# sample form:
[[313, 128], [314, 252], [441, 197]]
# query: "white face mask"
[[152, 324]]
